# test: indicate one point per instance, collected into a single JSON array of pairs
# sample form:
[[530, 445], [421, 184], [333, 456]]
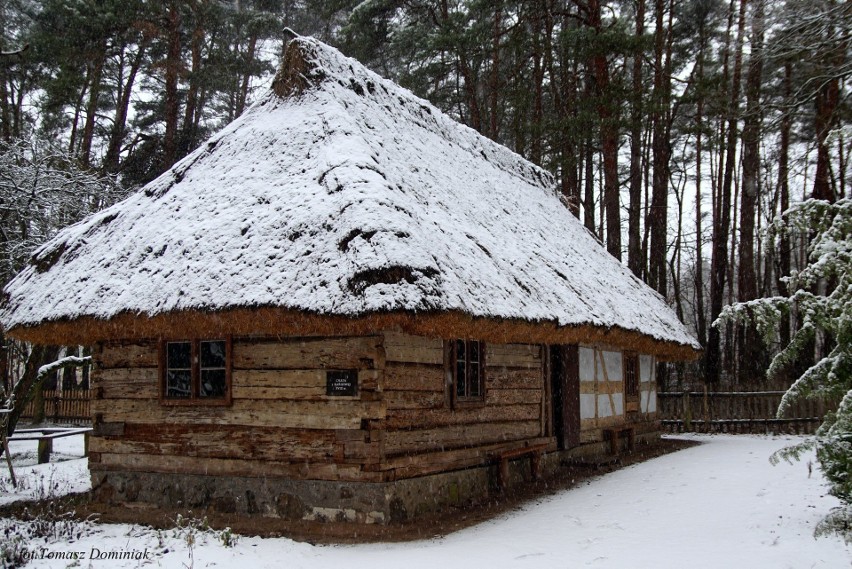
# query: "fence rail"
[[70, 406], [738, 412]]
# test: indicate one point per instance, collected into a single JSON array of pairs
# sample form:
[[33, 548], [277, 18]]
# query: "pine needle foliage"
[[821, 296]]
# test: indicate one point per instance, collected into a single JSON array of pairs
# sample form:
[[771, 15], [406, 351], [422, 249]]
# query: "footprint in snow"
[[613, 525], [525, 555]]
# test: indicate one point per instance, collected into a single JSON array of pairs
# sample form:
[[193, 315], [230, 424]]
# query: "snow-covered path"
[[720, 504]]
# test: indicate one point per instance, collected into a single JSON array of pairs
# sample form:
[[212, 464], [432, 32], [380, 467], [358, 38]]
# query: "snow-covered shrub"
[[192, 530], [23, 539], [821, 295]]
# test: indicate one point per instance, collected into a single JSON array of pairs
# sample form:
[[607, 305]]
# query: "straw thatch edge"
[[269, 321]]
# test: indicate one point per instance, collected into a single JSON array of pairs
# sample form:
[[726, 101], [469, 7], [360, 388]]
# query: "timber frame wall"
[[401, 424]]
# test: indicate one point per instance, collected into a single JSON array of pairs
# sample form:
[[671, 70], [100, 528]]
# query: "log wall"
[[424, 434], [402, 423], [280, 423]]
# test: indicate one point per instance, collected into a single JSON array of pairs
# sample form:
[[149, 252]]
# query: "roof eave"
[[271, 321]]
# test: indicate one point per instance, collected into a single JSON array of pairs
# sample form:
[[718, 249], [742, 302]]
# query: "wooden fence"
[[737, 412], [70, 406]]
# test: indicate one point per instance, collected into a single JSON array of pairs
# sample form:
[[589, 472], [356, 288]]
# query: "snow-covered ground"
[[720, 504]]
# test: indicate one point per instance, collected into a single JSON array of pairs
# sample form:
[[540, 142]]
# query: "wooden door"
[[565, 394]]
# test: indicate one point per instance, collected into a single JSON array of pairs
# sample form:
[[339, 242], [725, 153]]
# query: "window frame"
[[452, 361], [631, 397], [195, 381]]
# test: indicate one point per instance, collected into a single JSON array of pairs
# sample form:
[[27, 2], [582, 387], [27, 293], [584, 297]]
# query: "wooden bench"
[[612, 434], [504, 456], [45, 437]]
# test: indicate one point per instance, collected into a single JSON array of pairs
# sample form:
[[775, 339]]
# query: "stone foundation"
[[313, 500], [326, 501]]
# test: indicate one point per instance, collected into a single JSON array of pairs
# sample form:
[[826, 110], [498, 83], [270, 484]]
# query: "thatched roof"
[[338, 197]]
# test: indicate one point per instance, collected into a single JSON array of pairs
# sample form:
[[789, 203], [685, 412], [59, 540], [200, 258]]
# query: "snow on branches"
[[42, 190], [821, 297]]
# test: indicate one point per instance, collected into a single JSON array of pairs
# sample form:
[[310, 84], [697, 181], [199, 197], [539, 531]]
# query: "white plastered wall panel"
[[588, 370], [605, 403], [648, 398], [646, 368], [587, 363], [609, 371], [652, 402], [587, 406], [612, 361], [604, 407], [618, 399]]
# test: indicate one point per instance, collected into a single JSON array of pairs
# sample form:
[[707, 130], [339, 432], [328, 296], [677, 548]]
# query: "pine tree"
[[829, 226]]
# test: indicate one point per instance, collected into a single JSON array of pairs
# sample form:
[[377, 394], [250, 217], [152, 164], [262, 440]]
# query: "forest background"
[[678, 130]]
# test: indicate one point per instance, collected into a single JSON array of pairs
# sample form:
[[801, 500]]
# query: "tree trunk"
[[784, 248], [34, 361], [494, 78], [589, 183], [5, 96], [119, 128], [701, 318], [5, 383], [675, 260], [538, 85], [5, 112], [243, 94], [722, 215], [465, 72], [609, 137], [563, 92], [189, 130], [78, 109], [661, 155], [172, 65], [826, 102], [635, 261], [750, 345], [97, 67]]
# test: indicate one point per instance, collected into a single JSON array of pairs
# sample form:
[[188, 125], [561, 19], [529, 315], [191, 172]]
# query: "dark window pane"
[[460, 351], [631, 379], [213, 354], [213, 383], [178, 383], [179, 355], [473, 351], [475, 380], [460, 379]]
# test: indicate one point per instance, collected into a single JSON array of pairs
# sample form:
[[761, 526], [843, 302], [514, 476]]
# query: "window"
[[631, 381], [468, 367], [196, 371]]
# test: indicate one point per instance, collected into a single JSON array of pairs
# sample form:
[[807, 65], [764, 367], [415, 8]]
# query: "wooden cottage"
[[345, 306]]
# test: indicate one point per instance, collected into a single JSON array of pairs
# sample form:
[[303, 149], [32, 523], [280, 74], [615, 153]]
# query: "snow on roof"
[[341, 193]]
